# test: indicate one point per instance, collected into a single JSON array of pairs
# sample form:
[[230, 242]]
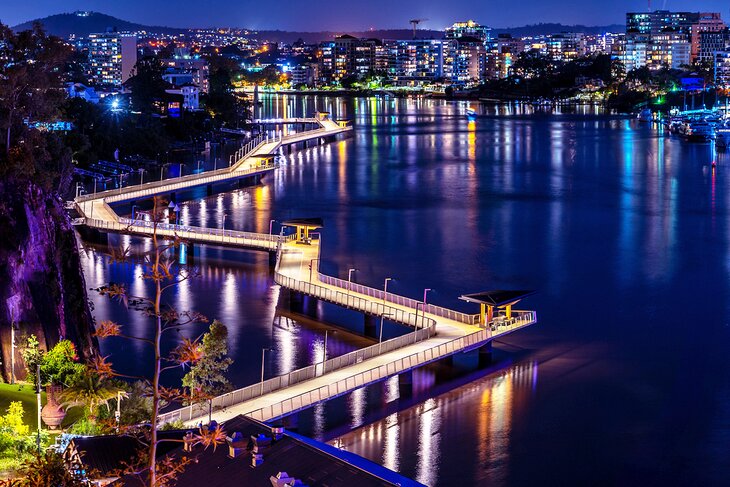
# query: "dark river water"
[[624, 232]]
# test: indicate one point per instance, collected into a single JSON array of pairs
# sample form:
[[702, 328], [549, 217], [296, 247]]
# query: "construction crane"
[[414, 23]]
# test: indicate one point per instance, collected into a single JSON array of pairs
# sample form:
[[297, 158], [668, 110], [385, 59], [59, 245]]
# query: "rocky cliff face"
[[42, 288]]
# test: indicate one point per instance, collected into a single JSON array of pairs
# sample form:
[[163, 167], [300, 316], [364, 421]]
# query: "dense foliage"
[[60, 365], [31, 93], [207, 377]]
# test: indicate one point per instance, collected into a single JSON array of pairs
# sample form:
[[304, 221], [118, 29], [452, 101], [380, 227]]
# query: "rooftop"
[[310, 462], [497, 298]]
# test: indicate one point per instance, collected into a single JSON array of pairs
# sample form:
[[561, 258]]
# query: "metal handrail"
[[185, 232], [469, 319], [300, 375], [343, 386], [204, 177], [381, 372], [172, 184], [353, 301]]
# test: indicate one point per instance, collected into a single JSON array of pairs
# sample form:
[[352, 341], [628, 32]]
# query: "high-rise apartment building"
[[722, 69], [666, 39], [469, 29], [501, 53], [712, 42], [183, 63], [112, 58], [422, 61], [707, 22], [566, 46]]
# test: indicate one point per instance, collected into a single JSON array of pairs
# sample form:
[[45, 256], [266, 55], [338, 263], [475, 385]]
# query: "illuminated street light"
[[349, 283]]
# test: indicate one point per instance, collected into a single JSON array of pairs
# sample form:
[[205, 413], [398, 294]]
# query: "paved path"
[[438, 333]]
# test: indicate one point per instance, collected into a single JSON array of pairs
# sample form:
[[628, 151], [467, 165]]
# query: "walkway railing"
[[343, 386], [175, 184], [401, 300], [204, 234], [296, 376], [169, 185], [348, 300]]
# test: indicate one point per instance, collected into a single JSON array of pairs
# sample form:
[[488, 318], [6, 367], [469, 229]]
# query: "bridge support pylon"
[[485, 354], [93, 235], [371, 326], [209, 190], [405, 384], [311, 307], [292, 300], [291, 422]]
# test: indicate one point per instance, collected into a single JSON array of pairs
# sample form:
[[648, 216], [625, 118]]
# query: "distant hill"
[[63, 25], [552, 28], [84, 23], [313, 37]]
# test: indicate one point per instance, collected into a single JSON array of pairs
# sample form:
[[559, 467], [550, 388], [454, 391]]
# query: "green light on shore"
[[660, 100]]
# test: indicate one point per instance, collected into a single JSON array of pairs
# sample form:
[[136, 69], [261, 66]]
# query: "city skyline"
[[335, 16]]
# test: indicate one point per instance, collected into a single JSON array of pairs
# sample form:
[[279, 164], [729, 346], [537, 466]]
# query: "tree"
[[32, 355], [15, 441], [164, 273], [90, 391], [12, 422], [207, 378], [30, 93], [60, 365], [532, 64], [138, 405], [47, 470], [147, 84], [222, 103]]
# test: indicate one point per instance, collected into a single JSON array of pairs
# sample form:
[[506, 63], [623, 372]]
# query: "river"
[[623, 231]]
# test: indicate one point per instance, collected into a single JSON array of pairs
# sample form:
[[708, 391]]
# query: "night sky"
[[312, 15]]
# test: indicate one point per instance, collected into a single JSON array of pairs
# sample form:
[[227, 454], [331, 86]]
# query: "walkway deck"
[[252, 160], [438, 333]]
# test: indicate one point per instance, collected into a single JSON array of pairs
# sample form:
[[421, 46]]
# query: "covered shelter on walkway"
[[500, 299], [304, 226]]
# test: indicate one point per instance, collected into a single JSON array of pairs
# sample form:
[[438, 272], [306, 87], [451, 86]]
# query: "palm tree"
[[90, 391]]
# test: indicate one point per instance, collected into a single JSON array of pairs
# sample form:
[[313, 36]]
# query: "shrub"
[[173, 425]]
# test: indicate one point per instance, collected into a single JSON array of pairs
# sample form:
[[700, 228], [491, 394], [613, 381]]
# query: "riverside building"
[[112, 57], [666, 39]]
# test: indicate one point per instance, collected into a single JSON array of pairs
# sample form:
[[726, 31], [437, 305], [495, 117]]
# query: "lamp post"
[[12, 352], [349, 284], [176, 209], [118, 412], [380, 336], [385, 289], [181, 169], [271, 226], [324, 356], [141, 175], [425, 292], [415, 326], [199, 163], [263, 354], [38, 401], [311, 266], [79, 187], [224, 221]]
